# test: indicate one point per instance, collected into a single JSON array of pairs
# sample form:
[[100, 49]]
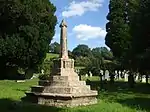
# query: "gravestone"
[[63, 89], [86, 75], [119, 75], [144, 79], [137, 77], [34, 76], [42, 71], [106, 75], [101, 71], [90, 74], [116, 74], [126, 77]]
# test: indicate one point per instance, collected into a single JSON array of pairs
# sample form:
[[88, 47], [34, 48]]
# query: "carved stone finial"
[[63, 23]]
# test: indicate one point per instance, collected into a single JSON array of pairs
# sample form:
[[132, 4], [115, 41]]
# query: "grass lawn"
[[115, 98], [51, 55]]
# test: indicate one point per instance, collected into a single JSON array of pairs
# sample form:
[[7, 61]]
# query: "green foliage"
[[48, 63], [51, 55], [141, 37], [118, 37], [26, 29], [44, 76], [47, 66], [100, 52], [70, 54], [82, 50], [82, 61], [55, 48], [98, 58]]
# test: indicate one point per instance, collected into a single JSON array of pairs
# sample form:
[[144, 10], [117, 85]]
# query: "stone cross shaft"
[[63, 40]]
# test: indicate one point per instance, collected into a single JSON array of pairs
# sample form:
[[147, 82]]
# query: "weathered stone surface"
[[63, 87], [63, 100]]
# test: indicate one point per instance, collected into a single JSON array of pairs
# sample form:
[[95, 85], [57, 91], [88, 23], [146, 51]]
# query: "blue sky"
[[86, 21]]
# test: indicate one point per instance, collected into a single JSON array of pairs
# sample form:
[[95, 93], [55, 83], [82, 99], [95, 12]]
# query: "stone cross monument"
[[63, 88]]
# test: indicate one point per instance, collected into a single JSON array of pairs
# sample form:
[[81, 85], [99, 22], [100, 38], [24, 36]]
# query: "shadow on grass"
[[21, 90], [9, 105], [137, 97], [136, 102], [120, 87]]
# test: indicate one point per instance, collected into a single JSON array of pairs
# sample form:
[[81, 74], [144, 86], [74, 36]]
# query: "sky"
[[86, 20]]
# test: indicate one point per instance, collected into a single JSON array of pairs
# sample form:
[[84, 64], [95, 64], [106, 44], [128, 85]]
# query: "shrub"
[[44, 76]]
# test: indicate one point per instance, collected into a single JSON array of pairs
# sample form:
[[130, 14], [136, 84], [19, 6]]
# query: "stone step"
[[38, 89], [44, 83], [61, 83], [58, 89], [64, 78], [58, 95], [72, 83], [67, 89], [81, 89]]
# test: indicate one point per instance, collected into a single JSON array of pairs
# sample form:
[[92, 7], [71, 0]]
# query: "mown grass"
[[115, 98], [51, 55]]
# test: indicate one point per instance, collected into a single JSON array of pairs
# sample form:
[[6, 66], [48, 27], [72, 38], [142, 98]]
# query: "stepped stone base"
[[63, 89], [61, 100]]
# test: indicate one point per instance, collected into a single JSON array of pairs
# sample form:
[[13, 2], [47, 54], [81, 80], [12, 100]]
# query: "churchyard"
[[110, 72]]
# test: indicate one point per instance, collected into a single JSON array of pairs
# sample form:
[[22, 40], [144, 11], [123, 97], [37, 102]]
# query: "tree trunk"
[[112, 77], [29, 73], [101, 82], [131, 81], [146, 78]]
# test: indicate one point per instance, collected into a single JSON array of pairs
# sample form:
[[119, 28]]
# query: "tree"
[[99, 52], [55, 48], [70, 54], [119, 32], [82, 61], [118, 36], [26, 29], [141, 37], [82, 50]]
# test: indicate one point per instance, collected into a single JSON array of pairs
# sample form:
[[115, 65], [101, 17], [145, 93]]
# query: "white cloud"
[[85, 32], [79, 8]]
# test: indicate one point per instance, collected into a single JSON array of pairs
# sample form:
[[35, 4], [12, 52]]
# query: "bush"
[[44, 76], [47, 66], [29, 73]]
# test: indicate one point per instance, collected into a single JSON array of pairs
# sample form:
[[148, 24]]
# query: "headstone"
[[119, 74], [101, 71], [42, 71], [103, 75], [116, 72], [126, 77], [86, 75], [137, 77], [144, 79], [63, 89], [107, 75], [34, 76], [90, 74]]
